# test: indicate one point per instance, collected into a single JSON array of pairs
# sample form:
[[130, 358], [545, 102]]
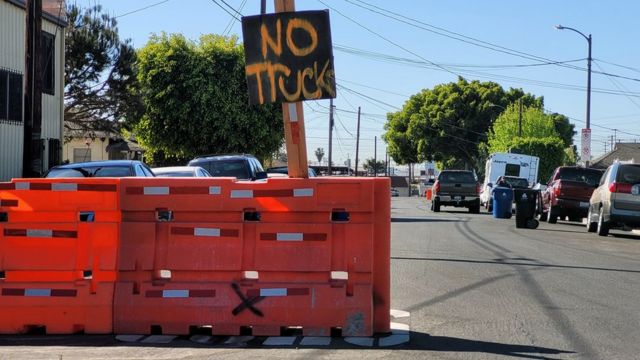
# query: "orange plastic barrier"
[[59, 307], [60, 200], [265, 307], [429, 194], [292, 233]]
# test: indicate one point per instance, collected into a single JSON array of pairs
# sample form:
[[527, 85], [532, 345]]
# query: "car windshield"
[[231, 168], [457, 177], [88, 171], [589, 176], [519, 183], [629, 174]]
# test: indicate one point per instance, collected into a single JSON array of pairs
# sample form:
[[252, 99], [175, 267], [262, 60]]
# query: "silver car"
[[181, 171], [615, 204]]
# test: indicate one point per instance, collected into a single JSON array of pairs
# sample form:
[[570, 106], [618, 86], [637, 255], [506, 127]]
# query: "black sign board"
[[289, 57]]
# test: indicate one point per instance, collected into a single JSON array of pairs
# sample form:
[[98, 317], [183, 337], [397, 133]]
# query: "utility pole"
[[32, 145], [357, 140], [330, 134], [520, 118], [611, 142], [375, 156], [386, 162]]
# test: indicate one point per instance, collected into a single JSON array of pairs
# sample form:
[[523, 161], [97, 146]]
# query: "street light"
[[586, 136]]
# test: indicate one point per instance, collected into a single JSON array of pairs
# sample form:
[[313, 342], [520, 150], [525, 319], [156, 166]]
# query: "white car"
[[181, 171]]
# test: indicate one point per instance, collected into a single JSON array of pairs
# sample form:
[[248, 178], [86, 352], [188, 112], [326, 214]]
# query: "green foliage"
[[371, 166], [196, 102], [446, 123], [564, 128], [550, 150], [100, 73], [535, 123]]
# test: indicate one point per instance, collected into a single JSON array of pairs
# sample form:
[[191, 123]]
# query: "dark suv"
[[459, 188], [242, 167]]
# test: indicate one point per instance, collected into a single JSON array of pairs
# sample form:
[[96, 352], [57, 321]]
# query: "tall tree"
[[196, 101], [100, 74], [447, 123], [540, 137], [319, 154], [373, 167]]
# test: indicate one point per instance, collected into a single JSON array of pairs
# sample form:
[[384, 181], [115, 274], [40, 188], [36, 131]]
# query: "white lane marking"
[[129, 338], [315, 341], [399, 313], [159, 339], [279, 341], [393, 340], [201, 339]]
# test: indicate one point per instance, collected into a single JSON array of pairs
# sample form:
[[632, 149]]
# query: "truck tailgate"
[[575, 190], [465, 189]]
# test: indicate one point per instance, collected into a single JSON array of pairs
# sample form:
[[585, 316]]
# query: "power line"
[[229, 26], [387, 40], [225, 10], [232, 8], [141, 9]]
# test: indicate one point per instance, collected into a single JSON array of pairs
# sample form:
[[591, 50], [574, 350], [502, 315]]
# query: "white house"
[[12, 84]]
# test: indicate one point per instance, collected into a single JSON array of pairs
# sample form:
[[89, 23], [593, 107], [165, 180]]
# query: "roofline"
[[50, 17]]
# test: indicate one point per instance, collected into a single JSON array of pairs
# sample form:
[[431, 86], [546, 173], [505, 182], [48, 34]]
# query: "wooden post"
[[358, 141], [293, 116]]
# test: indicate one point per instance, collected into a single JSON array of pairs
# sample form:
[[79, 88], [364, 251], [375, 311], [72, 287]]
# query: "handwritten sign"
[[289, 57]]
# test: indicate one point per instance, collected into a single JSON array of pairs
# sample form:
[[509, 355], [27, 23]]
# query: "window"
[[48, 63], [512, 170], [10, 96], [81, 155]]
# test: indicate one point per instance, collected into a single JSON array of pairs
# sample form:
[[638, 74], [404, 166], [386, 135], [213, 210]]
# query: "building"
[[621, 152], [12, 84], [82, 146]]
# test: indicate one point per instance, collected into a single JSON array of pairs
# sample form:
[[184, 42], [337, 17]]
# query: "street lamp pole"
[[588, 135]]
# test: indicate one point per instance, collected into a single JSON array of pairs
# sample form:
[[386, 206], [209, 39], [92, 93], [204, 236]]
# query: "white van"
[[507, 164]]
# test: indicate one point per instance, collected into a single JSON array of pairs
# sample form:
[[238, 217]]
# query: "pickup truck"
[[459, 188], [568, 193]]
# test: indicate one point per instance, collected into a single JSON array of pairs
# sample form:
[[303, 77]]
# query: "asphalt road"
[[476, 288]]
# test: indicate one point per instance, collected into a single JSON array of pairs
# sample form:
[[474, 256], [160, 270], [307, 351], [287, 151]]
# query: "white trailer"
[[507, 164]]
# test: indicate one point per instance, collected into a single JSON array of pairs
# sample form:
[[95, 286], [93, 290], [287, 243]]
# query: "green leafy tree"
[[196, 101], [319, 154], [372, 166], [447, 123], [100, 73], [540, 137]]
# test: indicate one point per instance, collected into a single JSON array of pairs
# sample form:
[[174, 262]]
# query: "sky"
[[381, 61]]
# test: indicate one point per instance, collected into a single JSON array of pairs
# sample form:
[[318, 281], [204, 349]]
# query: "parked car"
[[108, 168], [243, 167], [285, 170], [394, 192], [181, 171], [459, 188], [615, 203], [568, 192]]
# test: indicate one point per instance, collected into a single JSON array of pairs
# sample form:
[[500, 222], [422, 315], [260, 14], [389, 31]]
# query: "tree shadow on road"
[[417, 342], [421, 220]]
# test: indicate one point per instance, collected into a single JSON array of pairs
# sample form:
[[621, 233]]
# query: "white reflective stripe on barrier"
[[206, 232], [273, 292], [37, 292], [302, 192], [214, 190], [293, 112], [39, 233], [241, 194], [64, 187], [156, 190], [175, 293], [289, 236], [22, 186]]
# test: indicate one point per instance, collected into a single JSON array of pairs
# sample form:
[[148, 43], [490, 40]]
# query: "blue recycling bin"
[[502, 201]]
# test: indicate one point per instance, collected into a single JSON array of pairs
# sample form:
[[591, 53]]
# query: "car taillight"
[[477, 188], [614, 187], [557, 189], [436, 186]]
